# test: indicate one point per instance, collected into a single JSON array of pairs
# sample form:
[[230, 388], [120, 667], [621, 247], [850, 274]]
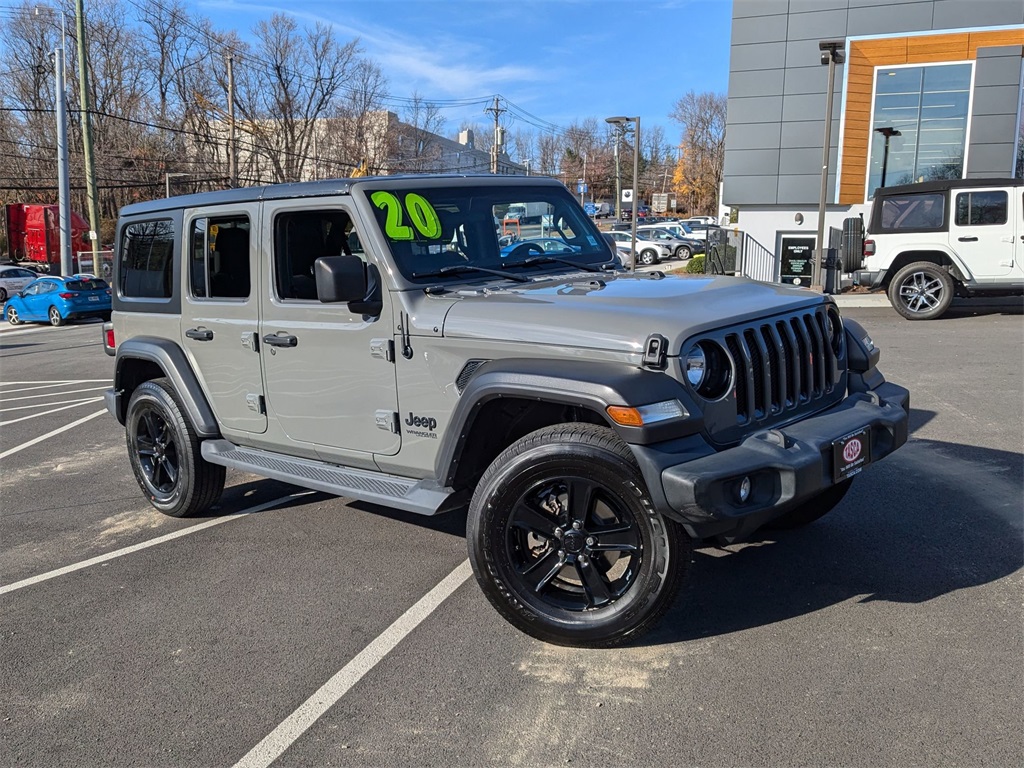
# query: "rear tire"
[[56, 318], [164, 452], [921, 291], [648, 257], [683, 252], [566, 543], [812, 510]]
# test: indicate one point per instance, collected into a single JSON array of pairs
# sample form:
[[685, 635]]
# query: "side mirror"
[[340, 278]]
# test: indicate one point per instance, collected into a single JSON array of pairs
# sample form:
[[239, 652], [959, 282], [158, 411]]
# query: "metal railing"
[[731, 252]]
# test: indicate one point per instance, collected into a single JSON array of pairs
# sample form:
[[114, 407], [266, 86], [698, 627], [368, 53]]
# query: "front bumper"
[[786, 466]]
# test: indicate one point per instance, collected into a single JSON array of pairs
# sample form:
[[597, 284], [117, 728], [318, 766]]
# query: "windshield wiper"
[[549, 260], [456, 268]]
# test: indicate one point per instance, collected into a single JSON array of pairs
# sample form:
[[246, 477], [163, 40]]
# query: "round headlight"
[[695, 366], [708, 369]]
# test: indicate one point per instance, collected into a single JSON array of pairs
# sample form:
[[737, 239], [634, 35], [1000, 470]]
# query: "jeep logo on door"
[[426, 426]]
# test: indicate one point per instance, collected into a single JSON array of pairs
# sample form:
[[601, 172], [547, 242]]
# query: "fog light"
[[743, 492]]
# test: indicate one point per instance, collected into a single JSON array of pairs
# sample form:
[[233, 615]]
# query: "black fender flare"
[[171, 359], [585, 384]]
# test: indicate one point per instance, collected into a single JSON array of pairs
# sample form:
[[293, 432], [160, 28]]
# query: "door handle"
[[967, 239], [281, 341], [203, 334]]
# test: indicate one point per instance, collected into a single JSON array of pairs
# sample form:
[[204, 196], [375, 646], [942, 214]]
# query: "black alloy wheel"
[[165, 455], [566, 543], [157, 453]]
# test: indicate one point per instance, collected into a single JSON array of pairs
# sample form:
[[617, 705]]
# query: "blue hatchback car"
[[55, 300]]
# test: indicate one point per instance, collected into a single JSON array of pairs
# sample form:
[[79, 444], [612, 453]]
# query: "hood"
[[616, 312]]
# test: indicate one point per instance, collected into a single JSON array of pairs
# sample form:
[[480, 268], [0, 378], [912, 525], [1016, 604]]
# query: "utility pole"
[[91, 195], [497, 111], [63, 183], [232, 146]]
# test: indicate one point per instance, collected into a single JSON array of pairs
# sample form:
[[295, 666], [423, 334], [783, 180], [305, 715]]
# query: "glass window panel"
[[928, 105], [146, 260], [981, 208]]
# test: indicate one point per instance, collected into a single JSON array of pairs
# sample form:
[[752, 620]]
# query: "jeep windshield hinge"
[[387, 420], [383, 348], [655, 351]]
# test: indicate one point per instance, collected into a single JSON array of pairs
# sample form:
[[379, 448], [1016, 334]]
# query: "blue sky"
[[559, 60]]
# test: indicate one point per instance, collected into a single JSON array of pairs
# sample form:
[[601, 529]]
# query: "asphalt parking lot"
[[297, 629]]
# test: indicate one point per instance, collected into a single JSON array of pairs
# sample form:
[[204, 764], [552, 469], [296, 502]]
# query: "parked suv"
[[929, 242], [368, 338]]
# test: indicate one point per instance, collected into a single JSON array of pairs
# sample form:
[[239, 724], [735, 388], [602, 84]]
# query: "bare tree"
[[418, 150], [282, 100], [702, 117]]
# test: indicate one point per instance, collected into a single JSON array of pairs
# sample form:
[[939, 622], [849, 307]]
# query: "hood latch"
[[655, 352]]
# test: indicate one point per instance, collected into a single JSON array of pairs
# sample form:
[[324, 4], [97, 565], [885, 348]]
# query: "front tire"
[[921, 291], [565, 541], [812, 510], [3, 294], [164, 452], [12, 316]]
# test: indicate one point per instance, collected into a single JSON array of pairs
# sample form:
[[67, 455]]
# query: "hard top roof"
[[945, 184], [329, 187]]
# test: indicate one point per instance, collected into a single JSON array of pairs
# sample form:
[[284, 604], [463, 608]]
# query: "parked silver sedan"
[[13, 280]]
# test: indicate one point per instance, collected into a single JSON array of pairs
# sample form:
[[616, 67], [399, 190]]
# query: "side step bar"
[[423, 497]]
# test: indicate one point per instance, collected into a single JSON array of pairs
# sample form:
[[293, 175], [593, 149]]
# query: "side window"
[[147, 256], [919, 211], [302, 237], [219, 258], [980, 208], [32, 290]]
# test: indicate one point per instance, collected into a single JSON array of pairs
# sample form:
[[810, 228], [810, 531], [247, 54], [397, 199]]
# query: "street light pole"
[[167, 181], [888, 131], [621, 121], [830, 55]]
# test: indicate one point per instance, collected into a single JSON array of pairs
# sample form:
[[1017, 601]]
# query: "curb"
[[861, 300]]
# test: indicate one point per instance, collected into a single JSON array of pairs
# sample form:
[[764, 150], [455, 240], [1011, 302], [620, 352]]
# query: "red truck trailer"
[[33, 233]]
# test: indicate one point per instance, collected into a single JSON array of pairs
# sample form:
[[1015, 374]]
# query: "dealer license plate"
[[851, 454]]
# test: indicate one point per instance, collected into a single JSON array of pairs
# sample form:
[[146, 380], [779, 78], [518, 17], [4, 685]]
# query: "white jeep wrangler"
[[929, 242]]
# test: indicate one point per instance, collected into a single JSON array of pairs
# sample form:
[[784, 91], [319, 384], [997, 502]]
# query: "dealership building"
[[922, 90]]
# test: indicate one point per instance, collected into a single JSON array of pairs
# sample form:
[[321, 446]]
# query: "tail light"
[[107, 292], [869, 248], [67, 295], [110, 338]]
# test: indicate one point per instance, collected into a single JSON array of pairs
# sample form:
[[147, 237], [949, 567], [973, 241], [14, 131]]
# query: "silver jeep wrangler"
[[370, 338]]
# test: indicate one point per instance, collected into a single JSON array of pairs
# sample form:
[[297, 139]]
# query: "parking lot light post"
[[831, 54], [167, 181], [620, 122], [887, 131]]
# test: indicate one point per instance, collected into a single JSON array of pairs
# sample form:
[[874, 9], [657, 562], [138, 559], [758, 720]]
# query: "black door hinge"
[[655, 352]]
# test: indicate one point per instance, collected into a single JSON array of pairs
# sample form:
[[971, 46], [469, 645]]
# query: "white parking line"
[[282, 737], [146, 544], [51, 385], [51, 394], [24, 330], [65, 428], [53, 381], [37, 406], [52, 410]]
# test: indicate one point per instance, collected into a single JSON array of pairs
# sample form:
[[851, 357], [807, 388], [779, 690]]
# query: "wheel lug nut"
[[561, 553], [558, 533], [577, 525], [591, 541], [583, 559]]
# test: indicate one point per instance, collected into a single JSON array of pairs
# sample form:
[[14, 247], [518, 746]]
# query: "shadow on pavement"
[[932, 519]]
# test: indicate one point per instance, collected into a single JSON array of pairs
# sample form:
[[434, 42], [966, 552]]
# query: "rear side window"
[[86, 285], [147, 250], [219, 258], [980, 208], [917, 211]]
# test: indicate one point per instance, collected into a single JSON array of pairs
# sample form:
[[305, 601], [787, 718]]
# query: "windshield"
[[434, 232]]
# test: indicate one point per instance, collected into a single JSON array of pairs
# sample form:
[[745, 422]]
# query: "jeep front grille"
[[781, 365]]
